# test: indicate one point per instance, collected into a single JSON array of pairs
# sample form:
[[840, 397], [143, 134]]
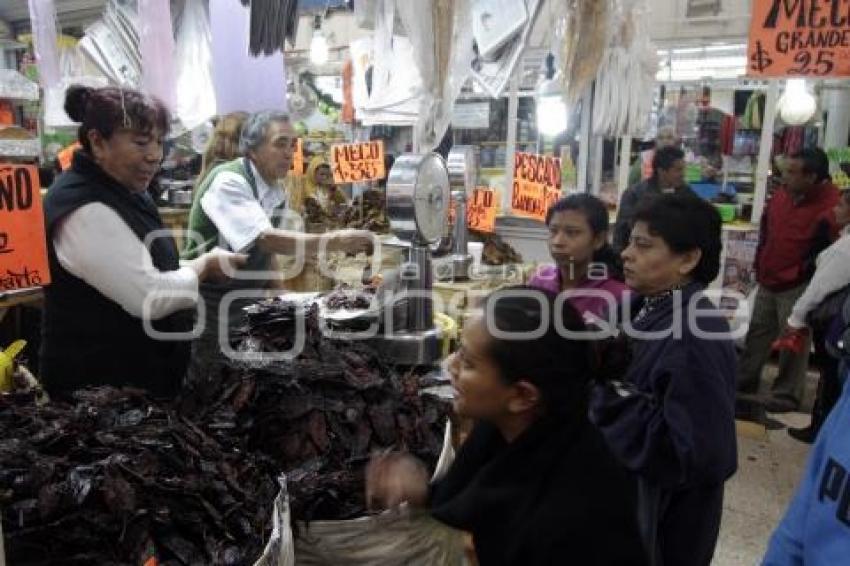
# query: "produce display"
[[116, 478], [366, 212], [348, 299], [373, 215], [322, 414], [498, 252]]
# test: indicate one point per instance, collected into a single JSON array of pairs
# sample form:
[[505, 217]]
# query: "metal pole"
[[765, 147], [510, 149], [625, 157], [584, 140], [598, 148]]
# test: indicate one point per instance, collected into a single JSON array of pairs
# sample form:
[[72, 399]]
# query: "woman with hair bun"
[[672, 418], [116, 280]]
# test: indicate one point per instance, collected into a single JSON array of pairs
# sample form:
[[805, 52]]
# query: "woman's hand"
[[395, 478], [216, 264]]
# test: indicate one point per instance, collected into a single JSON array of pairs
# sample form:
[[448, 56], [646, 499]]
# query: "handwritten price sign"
[[356, 162], [23, 250], [481, 211], [798, 38], [297, 169], [537, 184]]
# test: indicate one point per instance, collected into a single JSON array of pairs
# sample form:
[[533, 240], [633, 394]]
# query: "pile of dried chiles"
[[116, 478], [322, 414]]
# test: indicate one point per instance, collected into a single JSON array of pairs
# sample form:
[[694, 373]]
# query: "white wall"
[[672, 27]]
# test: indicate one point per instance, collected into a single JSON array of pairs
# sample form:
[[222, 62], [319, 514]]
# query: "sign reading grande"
[[537, 184], [23, 249], [798, 38], [357, 162]]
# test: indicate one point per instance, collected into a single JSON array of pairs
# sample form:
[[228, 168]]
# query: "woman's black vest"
[[88, 339]]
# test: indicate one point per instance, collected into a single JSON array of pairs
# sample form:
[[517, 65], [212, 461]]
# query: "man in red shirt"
[[797, 224]]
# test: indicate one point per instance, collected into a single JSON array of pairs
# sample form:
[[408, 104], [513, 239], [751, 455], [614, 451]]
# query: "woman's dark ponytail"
[[76, 100]]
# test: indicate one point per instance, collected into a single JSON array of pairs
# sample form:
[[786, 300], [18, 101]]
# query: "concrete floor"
[[770, 465]]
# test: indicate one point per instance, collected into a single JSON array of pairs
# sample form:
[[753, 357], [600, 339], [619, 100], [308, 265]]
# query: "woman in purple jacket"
[[586, 266], [671, 419]]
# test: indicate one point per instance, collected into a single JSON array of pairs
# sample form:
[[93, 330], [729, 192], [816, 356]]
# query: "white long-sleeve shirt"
[[832, 274], [94, 244]]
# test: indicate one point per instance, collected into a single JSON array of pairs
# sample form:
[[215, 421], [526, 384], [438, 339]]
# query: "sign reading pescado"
[[356, 162], [799, 38], [23, 249], [481, 210], [537, 184]]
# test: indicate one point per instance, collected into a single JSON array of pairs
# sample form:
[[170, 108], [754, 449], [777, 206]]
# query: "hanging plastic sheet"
[[43, 21], [193, 58], [242, 82], [440, 33], [156, 44], [112, 44], [493, 76]]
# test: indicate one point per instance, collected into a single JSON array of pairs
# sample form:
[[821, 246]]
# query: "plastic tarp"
[[241, 82], [440, 32], [156, 45], [193, 56]]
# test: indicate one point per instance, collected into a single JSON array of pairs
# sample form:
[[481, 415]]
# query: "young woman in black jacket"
[[534, 483]]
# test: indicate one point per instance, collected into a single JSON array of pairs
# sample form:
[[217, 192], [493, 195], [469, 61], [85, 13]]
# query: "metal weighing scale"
[[417, 207], [463, 175]]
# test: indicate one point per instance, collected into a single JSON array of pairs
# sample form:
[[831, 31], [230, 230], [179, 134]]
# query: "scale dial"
[[418, 197]]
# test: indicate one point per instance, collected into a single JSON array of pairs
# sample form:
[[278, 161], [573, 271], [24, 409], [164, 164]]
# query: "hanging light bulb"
[[319, 51], [797, 105], [552, 116]]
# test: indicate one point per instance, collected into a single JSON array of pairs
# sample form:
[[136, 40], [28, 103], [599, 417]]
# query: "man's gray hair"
[[256, 128]]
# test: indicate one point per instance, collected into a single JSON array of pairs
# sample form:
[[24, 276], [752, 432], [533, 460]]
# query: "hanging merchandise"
[[156, 45], [441, 36], [112, 43], [626, 76], [494, 76], [387, 87], [193, 62], [583, 35], [495, 22], [241, 82], [272, 22], [43, 22], [754, 112]]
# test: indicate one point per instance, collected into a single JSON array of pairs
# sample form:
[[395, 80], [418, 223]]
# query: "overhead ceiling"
[[70, 13]]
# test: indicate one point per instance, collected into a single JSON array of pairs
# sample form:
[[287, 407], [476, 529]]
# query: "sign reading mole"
[[23, 249]]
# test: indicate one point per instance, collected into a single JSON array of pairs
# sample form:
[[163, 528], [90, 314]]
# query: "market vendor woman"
[[111, 276]]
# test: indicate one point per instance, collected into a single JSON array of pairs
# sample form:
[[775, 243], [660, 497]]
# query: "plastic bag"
[[391, 538], [156, 45], [440, 32], [193, 64]]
